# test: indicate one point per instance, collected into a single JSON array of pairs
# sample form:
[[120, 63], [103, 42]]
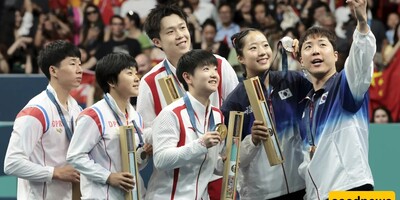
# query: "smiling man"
[[335, 120]]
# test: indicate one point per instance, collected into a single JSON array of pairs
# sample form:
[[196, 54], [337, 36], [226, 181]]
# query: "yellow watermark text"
[[362, 195]]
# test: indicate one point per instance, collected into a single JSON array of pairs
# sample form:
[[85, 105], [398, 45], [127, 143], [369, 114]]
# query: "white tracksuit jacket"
[[39, 143]]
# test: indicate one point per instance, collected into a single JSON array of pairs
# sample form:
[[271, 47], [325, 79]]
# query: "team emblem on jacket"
[[284, 94], [323, 98]]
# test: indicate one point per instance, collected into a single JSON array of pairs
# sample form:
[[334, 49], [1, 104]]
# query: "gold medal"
[[222, 130]]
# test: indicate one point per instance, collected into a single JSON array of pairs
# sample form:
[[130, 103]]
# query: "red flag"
[[385, 89], [106, 9], [81, 93]]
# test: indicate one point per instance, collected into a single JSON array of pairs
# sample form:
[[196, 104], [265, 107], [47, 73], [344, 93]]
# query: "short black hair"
[[53, 53], [109, 67], [317, 31], [191, 60], [134, 17], [152, 25], [116, 17], [209, 22]]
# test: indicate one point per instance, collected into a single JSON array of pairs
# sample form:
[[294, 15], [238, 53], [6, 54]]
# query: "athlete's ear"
[[53, 71], [157, 42], [111, 84], [187, 77]]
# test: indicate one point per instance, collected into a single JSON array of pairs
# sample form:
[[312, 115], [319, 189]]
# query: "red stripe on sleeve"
[[92, 114], [150, 80], [36, 113]]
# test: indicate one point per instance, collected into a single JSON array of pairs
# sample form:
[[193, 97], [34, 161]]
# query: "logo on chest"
[[284, 94], [112, 124], [323, 98]]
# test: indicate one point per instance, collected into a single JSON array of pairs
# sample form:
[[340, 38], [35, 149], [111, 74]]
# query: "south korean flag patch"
[[284, 94], [323, 98]]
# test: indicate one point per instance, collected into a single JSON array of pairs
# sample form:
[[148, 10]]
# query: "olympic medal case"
[[129, 160], [262, 113], [169, 89], [231, 165]]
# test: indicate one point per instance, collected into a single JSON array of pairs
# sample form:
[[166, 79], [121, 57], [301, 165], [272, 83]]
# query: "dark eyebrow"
[[172, 27]]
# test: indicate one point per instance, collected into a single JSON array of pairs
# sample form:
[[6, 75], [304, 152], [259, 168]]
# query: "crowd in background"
[[99, 27]]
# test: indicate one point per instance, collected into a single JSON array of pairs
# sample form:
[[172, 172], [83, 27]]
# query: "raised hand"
[[66, 173], [259, 132], [122, 180], [360, 9]]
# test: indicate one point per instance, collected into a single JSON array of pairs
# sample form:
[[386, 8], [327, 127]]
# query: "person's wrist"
[[255, 142], [202, 143]]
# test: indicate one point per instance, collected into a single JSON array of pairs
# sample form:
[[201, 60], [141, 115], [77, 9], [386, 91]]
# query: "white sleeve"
[[145, 107], [302, 170], [167, 155], [27, 23], [248, 151], [85, 138], [27, 132], [359, 64], [229, 79]]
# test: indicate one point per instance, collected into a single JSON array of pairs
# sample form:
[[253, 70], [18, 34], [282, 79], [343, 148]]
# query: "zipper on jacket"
[[315, 186], [198, 175]]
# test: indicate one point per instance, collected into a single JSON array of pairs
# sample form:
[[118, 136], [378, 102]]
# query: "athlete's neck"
[[122, 102], [62, 94]]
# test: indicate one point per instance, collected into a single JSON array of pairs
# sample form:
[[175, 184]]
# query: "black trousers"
[[366, 187], [292, 196]]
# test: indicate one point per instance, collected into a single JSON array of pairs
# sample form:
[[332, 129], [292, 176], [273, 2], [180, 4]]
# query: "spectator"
[[381, 115], [227, 27], [144, 64], [92, 30], [203, 10], [193, 24], [16, 38], [51, 28], [118, 42], [209, 30], [141, 7], [391, 50], [316, 11], [264, 21], [391, 22], [243, 13], [133, 26]]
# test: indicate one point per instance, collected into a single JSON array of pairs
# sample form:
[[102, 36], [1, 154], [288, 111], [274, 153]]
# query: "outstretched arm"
[[359, 64]]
